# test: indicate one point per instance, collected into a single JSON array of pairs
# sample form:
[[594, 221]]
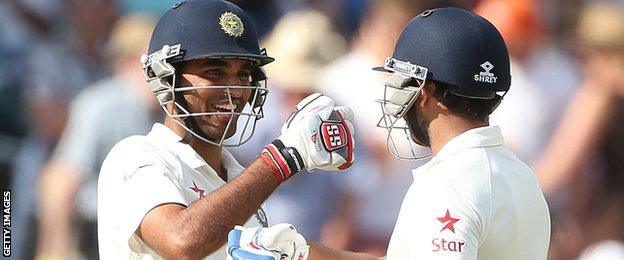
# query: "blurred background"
[[71, 87]]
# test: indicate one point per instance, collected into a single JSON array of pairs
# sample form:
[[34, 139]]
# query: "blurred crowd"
[[71, 87]]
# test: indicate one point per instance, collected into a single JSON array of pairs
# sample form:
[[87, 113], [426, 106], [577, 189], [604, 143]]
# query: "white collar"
[[487, 136], [188, 155]]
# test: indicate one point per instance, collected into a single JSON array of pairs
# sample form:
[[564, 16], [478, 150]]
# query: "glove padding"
[[273, 243], [321, 132], [317, 135]]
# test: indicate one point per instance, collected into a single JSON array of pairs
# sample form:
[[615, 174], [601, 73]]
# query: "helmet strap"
[[190, 122]]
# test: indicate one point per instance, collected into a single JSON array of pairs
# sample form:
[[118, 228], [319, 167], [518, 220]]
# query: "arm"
[[175, 231], [201, 228], [281, 241], [442, 226], [318, 251]]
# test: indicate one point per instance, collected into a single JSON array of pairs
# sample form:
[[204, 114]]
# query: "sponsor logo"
[[486, 76], [448, 222], [445, 244], [200, 192], [292, 155], [334, 135], [441, 244], [315, 140]]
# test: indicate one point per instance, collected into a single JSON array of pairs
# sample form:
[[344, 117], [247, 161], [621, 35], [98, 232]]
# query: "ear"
[[426, 93]]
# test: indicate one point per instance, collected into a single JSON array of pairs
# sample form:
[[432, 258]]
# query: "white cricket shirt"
[[473, 200], [142, 172]]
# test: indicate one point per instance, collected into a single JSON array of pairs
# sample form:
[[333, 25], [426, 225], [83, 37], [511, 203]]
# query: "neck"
[[210, 153], [446, 127]]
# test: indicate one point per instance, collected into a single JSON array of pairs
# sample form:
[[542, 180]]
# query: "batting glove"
[[317, 135], [273, 243]]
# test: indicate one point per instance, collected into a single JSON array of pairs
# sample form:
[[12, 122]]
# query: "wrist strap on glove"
[[284, 161]]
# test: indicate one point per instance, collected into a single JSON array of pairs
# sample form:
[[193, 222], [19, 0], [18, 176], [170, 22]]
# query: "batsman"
[[474, 199], [176, 192]]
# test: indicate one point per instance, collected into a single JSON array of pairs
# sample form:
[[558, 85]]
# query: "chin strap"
[[187, 138], [190, 122]]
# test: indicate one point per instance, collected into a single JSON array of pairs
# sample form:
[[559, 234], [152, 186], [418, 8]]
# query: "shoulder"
[[138, 151], [471, 158], [503, 160], [462, 181], [468, 170], [143, 146]]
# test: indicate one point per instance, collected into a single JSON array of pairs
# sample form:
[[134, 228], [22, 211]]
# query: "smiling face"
[[218, 73]]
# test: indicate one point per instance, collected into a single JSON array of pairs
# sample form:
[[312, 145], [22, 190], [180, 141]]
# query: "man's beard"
[[419, 127]]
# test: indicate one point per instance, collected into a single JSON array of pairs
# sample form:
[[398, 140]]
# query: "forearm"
[[318, 251], [207, 221]]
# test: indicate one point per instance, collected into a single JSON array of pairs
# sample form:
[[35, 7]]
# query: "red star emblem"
[[450, 221], [199, 191]]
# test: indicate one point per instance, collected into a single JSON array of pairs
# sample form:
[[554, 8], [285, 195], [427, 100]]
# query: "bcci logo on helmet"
[[486, 76], [231, 24]]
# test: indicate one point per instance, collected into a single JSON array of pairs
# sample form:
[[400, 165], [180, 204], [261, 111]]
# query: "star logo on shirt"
[[199, 191], [450, 221]]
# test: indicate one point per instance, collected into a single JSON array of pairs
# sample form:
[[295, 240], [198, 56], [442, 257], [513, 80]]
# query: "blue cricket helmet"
[[202, 29], [208, 29], [458, 48]]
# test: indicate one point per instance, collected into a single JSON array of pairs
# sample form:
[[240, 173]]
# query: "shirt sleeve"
[[442, 223], [148, 182]]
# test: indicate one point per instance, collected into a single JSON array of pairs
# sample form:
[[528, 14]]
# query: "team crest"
[[231, 24]]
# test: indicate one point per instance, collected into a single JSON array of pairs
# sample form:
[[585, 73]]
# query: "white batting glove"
[[317, 135], [280, 241]]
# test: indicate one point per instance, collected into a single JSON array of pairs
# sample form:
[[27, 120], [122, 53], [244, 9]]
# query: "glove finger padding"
[[307, 106], [242, 245], [278, 242], [346, 112], [279, 232], [283, 238]]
